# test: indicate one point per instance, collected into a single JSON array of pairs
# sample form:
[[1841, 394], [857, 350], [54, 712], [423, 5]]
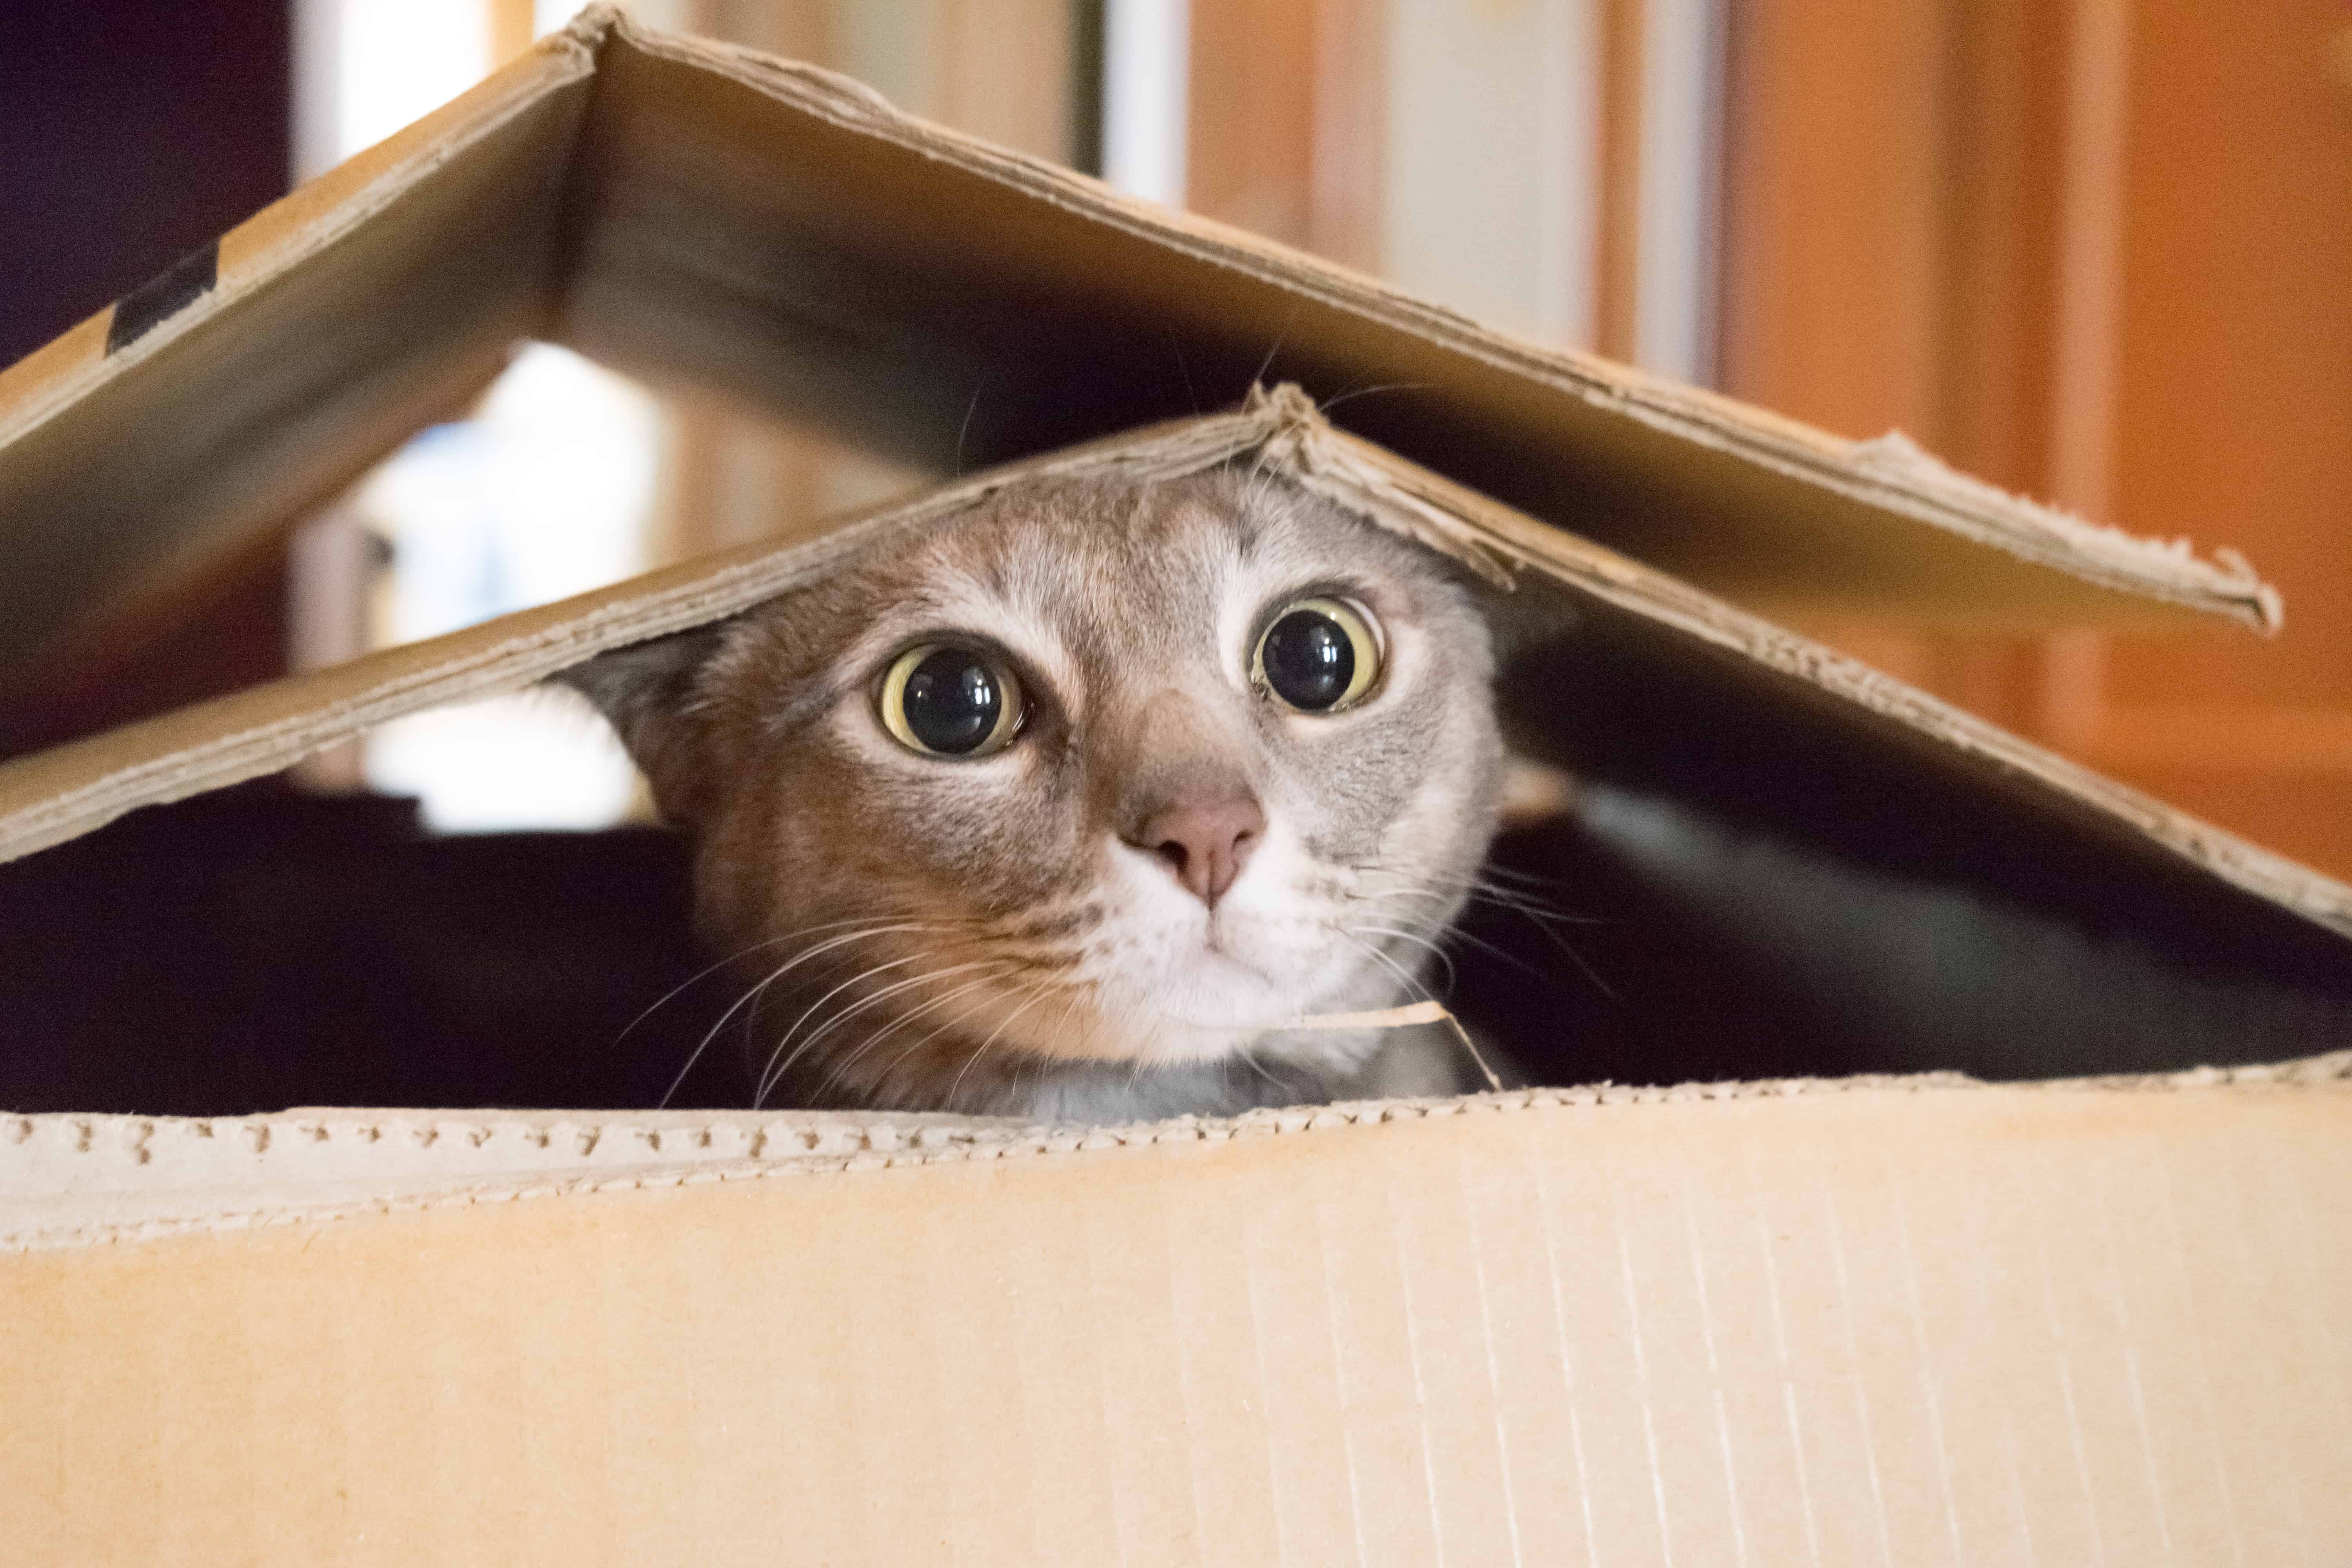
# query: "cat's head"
[[1093, 773]]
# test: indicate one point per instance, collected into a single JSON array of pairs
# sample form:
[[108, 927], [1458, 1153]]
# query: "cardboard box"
[[1875, 1320]]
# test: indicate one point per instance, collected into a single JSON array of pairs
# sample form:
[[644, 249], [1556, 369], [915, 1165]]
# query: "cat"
[[1064, 807]]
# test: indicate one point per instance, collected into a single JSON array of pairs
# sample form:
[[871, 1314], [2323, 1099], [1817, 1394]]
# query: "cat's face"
[[1096, 772]]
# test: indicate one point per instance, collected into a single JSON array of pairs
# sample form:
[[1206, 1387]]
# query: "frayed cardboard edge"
[[820, 1145], [1891, 473], [298, 716]]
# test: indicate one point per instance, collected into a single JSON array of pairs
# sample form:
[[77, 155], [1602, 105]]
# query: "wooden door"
[[2102, 252]]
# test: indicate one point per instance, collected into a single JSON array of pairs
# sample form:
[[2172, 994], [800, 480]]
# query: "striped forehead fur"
[[998, 935]]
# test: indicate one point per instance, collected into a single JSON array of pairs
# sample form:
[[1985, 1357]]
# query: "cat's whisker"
[[900, 1059], [1041, 989], [1480, 887], [965, 428], [703, 1045], [1459, 1034], [1139, 1058], [700, 975], [1528, 901], [875, 998], [1183, 370], [1069, 1008], [1542, 914], [1515, 961], [895, 988], [993, 968], [1396, 895], [874, 1042], [1471, 940], [734, 958], [773, 976], [1449, 935], [774, 1072], [1328, 403], [1053, 1046], [1249, 1059], [1418, 941], [1511, 874], [1538, 915], [1578, 959], [1544, 920], [1419, 991]]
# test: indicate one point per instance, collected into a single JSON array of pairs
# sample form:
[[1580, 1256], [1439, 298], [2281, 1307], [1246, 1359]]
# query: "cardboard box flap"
[[1892, 1324], [69, 1179], [694, 212], [999, 305], [142, 458], [2039, 827]]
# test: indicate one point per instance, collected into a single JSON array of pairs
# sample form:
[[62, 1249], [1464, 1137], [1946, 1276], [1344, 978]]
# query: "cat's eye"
[[949, 699], [1319, 656]]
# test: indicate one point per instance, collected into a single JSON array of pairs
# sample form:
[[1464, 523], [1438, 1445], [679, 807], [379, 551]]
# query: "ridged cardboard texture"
[[1922, 1323], [1875, 1322]]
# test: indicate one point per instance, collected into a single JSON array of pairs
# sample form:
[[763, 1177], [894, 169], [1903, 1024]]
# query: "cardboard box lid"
[[691, 211], [2282, 914], [1877, 1321], [1890, 1322]]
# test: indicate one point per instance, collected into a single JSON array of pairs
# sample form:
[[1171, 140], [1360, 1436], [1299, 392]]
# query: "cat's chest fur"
[[1069, 806]]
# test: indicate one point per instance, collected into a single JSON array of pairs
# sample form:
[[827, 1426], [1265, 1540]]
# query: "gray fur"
[[1049, 967]]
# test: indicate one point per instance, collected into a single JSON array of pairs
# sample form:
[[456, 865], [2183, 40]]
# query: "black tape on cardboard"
[[162, 297]]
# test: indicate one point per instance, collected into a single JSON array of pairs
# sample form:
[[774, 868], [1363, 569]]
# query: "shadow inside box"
[[261, 948]]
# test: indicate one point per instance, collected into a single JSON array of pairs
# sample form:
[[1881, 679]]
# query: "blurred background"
[[2099, 251]]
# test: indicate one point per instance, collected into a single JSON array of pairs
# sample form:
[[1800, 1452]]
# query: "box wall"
[[1908, 1325]]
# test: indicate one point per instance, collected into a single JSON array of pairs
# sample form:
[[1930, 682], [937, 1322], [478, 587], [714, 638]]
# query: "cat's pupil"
[[1309, 659], [952, 700]]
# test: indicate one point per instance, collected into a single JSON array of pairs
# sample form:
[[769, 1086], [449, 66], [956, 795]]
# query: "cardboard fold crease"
[[1905, 1318]]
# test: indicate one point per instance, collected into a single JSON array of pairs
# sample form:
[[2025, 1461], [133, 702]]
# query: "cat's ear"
[[646, 692]]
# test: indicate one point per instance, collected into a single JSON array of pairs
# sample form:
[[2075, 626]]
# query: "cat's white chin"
[[1215, 990], [1179, 982]]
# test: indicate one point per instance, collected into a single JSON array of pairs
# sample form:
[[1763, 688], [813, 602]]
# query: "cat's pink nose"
[[1205, 844]]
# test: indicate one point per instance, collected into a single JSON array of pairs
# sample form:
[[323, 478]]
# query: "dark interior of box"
[[1756, 880]]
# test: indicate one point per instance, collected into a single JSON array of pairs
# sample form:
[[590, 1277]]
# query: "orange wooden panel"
[[1250, 154], [1834, 213], [2235, 415], [1286, 132], [2234, 420], [2100, 251], [1890, 252]]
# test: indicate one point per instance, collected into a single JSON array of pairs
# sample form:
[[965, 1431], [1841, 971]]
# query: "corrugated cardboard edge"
[[74, 1181], [56, 795], [1377, 483], [1889, 472], [61, 793]]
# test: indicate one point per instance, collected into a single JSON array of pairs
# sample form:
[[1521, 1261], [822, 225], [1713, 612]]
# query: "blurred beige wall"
[[1001, 69]]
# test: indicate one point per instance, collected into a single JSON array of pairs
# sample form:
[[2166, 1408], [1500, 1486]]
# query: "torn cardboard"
[[69, 790], [691, 211], [1877, 1321]]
